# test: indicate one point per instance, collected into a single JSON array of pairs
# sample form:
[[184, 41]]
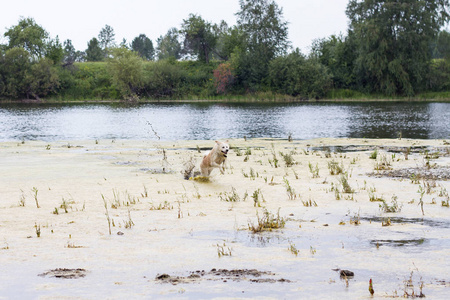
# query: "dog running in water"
[[215, 158]]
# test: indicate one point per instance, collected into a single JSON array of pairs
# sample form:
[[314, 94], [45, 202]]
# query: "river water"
[[198, 121]]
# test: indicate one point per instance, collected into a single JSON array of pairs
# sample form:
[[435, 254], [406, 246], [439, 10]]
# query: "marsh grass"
[[108, 218], [335, 168], [346, 188], [383, 163], [162, 206], [374, 154], [37, 228], [230, 197], [129, 222], [314, 170], [309, 203], [34, 190], [289, 161], [373, 197], [22, 199], [223, 250], [394, 207], [257, 197], [274, 161], [293, 249], [267, 222], [289, 189]]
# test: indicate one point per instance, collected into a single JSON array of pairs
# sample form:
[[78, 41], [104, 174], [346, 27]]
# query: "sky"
[[81, 20]]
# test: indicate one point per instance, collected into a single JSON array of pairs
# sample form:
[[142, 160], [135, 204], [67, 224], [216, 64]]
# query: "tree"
[[93, 51], [55, 51], [126, 68], [70, 55], [267, 37], [143, 46], [393, 39], [25, 78], [296, 75], [223, 77], [168, 45], [106, 38], [443, 45], [199, 38], [29, 36], [338, 54]]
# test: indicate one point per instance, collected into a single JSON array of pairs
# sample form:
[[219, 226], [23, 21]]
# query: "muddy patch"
[[398, 243], [249, 275], [437, 173], [157, 170], [65, 273], [400, 220]]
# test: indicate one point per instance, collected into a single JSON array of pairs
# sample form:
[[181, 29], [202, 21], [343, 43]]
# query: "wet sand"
[[172, 237]]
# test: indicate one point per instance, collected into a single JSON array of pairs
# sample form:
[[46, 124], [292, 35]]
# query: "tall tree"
[[393, 42], [143, 46], [29, 36], [55, 51], [169, 45], [93, 51], [267, 37], [127, 71], [106, 38], [199, 38]]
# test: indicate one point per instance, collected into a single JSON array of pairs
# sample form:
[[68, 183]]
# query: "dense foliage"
[[392, 48]]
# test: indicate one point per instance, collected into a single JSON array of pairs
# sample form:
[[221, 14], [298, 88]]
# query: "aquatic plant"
[[229, 197], [289, 189], [335, 168], [293, 249], [267, 222], [288, 159], [223, 250], [314, 170], [394, 207], [34, 190], [107, 214]]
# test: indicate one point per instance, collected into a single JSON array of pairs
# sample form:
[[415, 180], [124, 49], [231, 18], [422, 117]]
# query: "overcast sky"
[[81, 20]]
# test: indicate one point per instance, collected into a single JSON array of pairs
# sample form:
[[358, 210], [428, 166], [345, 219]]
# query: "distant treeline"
[[391, 49]]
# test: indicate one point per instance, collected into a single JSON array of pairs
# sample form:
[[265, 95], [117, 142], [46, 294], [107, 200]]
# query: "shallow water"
[[194, 121]]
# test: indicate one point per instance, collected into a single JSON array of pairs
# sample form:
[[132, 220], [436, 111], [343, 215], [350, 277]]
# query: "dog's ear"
[[217, 142]]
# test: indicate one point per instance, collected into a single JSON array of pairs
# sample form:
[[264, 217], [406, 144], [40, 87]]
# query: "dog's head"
[[223, 147]]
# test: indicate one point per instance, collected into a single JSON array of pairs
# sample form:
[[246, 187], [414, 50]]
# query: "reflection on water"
[[217, 121]]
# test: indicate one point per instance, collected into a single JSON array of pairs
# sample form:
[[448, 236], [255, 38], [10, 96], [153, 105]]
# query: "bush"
[[297, 76]]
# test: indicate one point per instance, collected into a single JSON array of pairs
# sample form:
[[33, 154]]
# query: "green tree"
[[168, 46], [106, 38], [29, 36], [338, 54], [143, 46], [267, 37], [443, 45], [55, 51], [126, 68], [199, 38], [393, 39], [24, 78], [93, 51], [296, 75]]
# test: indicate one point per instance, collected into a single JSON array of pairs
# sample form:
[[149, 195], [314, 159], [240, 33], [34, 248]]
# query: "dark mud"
[[249, 275], [421, 221], [65, 273], [436, 173]]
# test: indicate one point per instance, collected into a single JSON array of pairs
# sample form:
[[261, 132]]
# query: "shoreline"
[[262, 101]]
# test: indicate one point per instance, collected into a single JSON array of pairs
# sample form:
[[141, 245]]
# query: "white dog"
[[215, 158]]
